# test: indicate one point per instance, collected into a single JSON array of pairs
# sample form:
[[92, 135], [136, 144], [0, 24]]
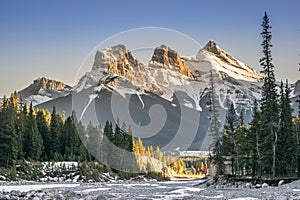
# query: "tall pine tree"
[[215, 128], [33, 144], [254, 134], [269, 104], [8, 137], [55, 134], [43, 128], [229, 140], [286, 148]]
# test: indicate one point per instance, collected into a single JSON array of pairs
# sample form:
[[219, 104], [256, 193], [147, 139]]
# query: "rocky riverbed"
[[147, 189]]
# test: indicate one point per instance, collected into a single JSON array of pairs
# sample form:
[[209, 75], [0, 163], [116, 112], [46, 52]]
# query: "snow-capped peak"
[[167, 72], [211, 46], [212, 56], [44, 89]]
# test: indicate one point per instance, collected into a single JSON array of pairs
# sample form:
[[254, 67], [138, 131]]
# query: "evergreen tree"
[[20, 125], [286, 147], [33, 144], [269, 104], [107, 142], [243, 146], [254, 130], [71, 141], [229, 143], [43, 128], [84, 154], [297, 134], [93, 139], [8, 137], [55, 134], [214, 128]]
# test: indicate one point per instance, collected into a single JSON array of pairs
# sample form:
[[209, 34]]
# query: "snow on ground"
[[129, 190], [26, 188], [149, 189], [211, 197], [86, 191]]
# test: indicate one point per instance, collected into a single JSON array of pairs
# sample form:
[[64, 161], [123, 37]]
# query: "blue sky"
[[52, 38]]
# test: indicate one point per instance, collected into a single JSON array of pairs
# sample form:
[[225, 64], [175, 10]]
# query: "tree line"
[[269, 145], [27, 133], [30, 134]]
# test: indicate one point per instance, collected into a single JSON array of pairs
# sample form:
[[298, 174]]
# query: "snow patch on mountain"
[[44, 89], [167, 73], [213, 57]]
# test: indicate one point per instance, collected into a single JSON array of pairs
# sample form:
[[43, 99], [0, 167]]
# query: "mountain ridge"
[[120, 87], [43, 89]]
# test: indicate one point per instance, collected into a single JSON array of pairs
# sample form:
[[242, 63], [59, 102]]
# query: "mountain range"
[[164, 101]]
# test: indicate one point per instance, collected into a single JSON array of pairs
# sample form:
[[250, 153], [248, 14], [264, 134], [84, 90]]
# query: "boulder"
[[264, 185], [281, 182]]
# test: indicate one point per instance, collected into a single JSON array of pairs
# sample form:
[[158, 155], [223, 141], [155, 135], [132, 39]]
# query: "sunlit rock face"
[[222, 61], [165, 56], [44, 89]]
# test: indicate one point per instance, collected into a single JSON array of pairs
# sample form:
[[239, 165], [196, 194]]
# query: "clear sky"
[[52, 37]]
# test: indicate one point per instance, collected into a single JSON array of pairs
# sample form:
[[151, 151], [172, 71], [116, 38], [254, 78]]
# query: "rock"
[[139, 178], [44, 87], [89, 197], [281, 182], [39, 194], [6, 197], [258, 186], [15, 193], [59, 197], [168, 57], [23, 194], [14, 198], [46, 197], [281, 197], [70, 193], [264, 185], [29, 194], [210, 182], [102, 196], [35, 198], [248, 185]]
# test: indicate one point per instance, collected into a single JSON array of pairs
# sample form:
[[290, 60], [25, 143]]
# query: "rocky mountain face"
[[117, 60], [120, 87], [166, 56], [43, 89], [223, 62], [296, 90]]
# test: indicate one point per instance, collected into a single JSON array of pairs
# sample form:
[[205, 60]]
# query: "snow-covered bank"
[[26, 188], [131, 189]]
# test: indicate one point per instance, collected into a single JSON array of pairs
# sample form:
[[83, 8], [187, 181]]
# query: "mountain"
[[213, 56], [296, 90], [42, 90], [165, 101], [165, 56]]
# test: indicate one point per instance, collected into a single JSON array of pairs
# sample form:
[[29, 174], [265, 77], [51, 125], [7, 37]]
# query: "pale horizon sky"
[[52, 38]]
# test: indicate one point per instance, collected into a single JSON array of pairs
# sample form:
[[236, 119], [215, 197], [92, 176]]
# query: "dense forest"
[[29, 134], [269, 145]]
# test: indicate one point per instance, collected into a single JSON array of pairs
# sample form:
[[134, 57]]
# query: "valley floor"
[[184, 189]]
